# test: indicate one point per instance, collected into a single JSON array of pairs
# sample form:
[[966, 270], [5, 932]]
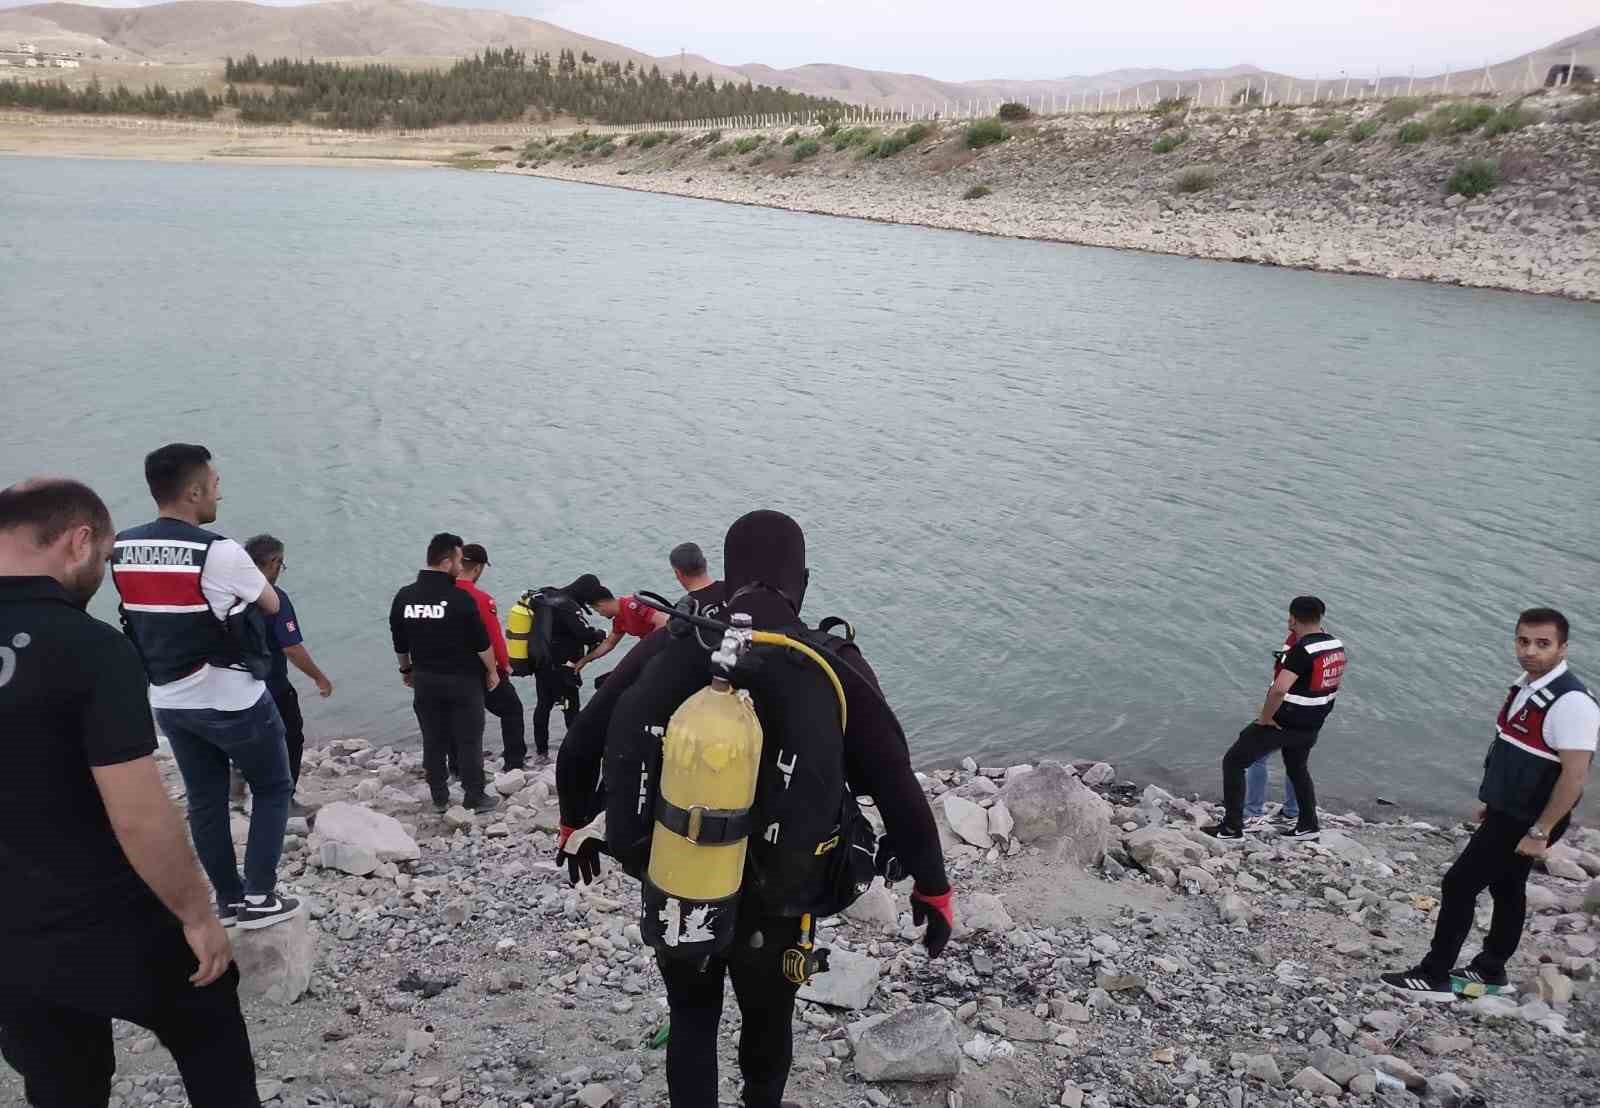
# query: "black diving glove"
[[582, 860]]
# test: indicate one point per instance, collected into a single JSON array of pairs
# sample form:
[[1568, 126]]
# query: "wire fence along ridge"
[[1253, 90]]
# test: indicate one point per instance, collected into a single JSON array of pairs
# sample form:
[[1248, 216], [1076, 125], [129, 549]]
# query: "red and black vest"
[[1521, 769], [1309, 700], [157, 571]]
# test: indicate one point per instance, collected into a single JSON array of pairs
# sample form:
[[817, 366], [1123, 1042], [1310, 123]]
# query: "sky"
[[962, 40]]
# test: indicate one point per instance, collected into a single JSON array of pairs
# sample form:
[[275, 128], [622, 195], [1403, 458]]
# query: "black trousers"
[[449, 709], [766, 1005], [506, 706], [294, 725], [60, 992], [554, 686], [1491, 862], [1255, 742]]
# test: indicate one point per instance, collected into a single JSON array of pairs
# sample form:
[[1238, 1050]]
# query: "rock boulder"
[[914, 1044], [358, 826], [1050, 805], [275, 962]]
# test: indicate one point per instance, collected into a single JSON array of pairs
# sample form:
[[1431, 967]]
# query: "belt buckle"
[[697, 816]]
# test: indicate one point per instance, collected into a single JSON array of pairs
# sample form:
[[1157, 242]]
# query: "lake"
[[1064, 494]]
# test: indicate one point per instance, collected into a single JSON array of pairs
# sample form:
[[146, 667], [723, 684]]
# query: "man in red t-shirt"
[[501, 701], [628, 616]]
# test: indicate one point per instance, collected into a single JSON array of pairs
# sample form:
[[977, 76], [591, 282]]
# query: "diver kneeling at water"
[[730, 785]]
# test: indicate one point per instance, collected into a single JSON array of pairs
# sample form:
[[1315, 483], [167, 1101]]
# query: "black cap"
[[475, 554]]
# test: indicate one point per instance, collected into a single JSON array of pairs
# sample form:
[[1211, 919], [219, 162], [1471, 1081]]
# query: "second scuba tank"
[[710, 760]]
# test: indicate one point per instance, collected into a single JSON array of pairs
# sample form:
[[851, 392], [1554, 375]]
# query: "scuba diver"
[[547, 634], [730, 785]]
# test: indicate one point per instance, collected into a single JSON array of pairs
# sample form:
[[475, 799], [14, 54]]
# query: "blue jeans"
[[204, 742], [1255, 792]]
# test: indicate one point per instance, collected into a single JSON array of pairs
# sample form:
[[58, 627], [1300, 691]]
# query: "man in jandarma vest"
[[192, 602], [1533, 776], [810, 852]]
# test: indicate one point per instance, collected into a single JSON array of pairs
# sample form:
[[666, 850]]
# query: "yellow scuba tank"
[[710, 759], [519, 631]]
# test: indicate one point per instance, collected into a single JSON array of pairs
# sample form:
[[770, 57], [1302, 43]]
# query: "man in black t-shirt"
[[1298, 702], [107, 914], [446, 658]]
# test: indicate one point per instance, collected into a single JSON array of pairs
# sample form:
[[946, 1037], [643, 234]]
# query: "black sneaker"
[[485, 804], [1471, 981], [1419, 986], [1307, 835], [1223, 832], [228, 914], [1281, 822], [270, 910]]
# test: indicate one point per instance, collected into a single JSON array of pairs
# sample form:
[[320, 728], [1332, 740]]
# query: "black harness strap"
[[704, 826]]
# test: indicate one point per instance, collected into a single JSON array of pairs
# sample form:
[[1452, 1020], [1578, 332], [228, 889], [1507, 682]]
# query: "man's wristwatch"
[[1539, 834]]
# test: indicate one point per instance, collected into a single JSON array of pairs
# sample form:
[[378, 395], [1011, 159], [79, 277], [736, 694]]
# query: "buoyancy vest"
[[1521, 769], [157, 570], [801, 823]]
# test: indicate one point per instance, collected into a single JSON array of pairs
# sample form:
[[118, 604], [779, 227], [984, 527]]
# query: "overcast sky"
[[966, 39]]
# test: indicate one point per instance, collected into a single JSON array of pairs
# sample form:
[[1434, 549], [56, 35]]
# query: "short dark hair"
[[1535, 616], [168, 470], [1307, 609], [263, 548], [442, 545], [51, 506], [688, 559]]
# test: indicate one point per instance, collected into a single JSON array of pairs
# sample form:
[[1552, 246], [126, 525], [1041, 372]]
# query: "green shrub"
[[985, 132], [748, 143], [1474, 178], [917, 132], [1411, 134], [720, 150], [1361, 132], [807, 149], [855, 136], [1318, 135], [1510, 118], [830, 128], [1170, 141], [1586, 110], [1401, 108], [1194, 180], [1013, 112], [1170, 104], [655, 138], [976, 192], [791, 138], [1460, 119]]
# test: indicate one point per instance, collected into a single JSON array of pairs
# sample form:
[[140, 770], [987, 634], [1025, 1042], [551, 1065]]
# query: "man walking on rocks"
[[800, 823], [108, 916], [1544, 742], [1297, 705], [190, 599], [446, 659]]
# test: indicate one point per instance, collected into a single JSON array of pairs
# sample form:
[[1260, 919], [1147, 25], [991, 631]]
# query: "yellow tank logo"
[[827, 845]]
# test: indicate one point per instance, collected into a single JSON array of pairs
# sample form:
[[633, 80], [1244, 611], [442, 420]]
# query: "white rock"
[[355, 825], [510, 783], [914, 1044], [849, 983], [876, 907], [1310, 1081], [358, 861], [982, 912], [275, 962], [459, 817], [967, 820], [1051, 805], [1000, 822]]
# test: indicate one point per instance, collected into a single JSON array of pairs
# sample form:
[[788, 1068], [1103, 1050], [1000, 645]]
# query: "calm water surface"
[[1064, 493]]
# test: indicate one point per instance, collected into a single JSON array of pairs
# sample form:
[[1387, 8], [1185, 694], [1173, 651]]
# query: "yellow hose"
[[772, 638]]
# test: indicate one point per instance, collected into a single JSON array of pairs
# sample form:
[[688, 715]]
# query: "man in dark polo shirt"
[[447, 661], [107, 915]]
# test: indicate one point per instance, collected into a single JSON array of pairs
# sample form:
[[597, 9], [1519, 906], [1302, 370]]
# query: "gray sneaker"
[[486, 804]]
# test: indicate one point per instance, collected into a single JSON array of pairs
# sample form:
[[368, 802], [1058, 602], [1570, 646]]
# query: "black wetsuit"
[[570, 638]]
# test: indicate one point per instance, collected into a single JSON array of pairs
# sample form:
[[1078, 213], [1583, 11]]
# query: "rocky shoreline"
[[1107, 953], [1329, 188]]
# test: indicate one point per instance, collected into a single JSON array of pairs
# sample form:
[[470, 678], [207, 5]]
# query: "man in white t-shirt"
[[1539, 757], [192, 602]]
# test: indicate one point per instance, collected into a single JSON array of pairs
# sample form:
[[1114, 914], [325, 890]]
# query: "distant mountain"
[[409, 30]]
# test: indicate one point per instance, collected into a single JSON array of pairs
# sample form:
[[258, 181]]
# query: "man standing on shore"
[[446, 659], [185, 594], [288, 645], [107, 915], [1297, 705], [501, 701], [1544, 742]]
